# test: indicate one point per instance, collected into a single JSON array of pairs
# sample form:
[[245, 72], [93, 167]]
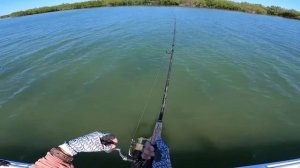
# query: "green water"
[[233, 98]]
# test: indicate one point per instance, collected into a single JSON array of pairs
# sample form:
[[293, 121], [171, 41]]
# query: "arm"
[[62, 156], [54, 161]]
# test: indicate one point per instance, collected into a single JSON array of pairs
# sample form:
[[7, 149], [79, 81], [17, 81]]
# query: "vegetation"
[[218, 4]]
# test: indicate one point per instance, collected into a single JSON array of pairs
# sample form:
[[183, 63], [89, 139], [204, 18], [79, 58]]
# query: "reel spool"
[[135, 152], [136, 147]]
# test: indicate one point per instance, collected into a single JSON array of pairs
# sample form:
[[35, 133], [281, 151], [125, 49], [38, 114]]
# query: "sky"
[[9, 6]]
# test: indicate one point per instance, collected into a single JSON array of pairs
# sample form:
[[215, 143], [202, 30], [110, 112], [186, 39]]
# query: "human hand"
[[93, 142], [161, 154], [148, 151]]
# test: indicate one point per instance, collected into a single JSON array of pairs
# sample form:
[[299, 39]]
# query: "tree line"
[[217, 4]]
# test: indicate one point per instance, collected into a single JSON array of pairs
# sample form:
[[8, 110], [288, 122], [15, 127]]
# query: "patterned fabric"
[[88, 143], [164, 161]]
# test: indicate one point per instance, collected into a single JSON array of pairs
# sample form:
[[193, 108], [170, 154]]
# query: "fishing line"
[[155, 82], [136, 146], [147, 101]]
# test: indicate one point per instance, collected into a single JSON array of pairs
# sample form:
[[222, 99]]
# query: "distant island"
[[216, 4]]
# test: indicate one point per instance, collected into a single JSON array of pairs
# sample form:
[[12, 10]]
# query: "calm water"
[[234, 96]]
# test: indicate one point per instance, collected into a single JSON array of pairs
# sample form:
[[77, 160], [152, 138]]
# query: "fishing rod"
[[136, 146]]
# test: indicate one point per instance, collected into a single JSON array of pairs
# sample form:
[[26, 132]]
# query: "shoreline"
[[206, 4]]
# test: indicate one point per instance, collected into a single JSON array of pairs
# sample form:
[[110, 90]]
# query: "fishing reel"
[[135, 152], [136, 148]]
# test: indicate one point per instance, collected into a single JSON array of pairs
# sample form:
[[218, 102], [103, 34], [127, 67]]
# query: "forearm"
[[62, 156]]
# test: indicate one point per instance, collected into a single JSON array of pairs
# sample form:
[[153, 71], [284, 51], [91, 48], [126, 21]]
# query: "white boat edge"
[[294, 163], [13, 164]]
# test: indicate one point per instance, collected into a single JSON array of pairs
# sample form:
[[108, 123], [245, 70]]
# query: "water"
[[233, 98]]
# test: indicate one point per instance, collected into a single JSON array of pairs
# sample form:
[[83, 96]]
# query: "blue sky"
[[8, 6]]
